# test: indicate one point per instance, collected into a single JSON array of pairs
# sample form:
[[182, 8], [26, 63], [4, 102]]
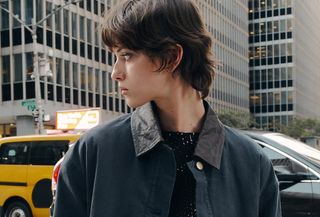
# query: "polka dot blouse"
[[183, 196]]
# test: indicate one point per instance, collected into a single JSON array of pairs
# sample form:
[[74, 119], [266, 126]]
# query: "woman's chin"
[[135, 104]]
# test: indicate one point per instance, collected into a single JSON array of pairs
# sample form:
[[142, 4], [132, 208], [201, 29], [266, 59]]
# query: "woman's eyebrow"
[[119, 49]]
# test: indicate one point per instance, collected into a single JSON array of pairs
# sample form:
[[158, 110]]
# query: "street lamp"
[[36, 61]]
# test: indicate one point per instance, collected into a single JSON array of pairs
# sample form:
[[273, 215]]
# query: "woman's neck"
[[181, 112]]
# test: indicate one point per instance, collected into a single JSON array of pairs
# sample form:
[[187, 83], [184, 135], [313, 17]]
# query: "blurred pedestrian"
[[171, 156]]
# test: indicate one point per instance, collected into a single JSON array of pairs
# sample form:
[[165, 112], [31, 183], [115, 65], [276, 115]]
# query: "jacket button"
[[199, 165]]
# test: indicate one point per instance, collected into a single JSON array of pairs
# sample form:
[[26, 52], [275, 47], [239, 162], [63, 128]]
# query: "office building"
[[284, 61], [227, 21]]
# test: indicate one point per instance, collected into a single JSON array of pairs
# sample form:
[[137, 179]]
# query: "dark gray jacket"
[[124, 169]]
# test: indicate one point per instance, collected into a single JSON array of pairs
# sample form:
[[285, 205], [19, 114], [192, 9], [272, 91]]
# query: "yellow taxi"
[[26, 164]]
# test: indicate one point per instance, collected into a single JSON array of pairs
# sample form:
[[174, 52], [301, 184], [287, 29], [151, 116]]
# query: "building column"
[[25, 125]]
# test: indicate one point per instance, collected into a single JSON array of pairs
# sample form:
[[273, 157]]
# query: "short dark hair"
[[155, 27]]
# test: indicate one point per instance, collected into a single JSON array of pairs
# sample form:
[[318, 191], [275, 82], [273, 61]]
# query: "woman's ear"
[[176, 57]]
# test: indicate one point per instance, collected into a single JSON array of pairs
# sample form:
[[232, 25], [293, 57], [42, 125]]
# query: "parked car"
[[26, 164], [297, 167], [54, 181]]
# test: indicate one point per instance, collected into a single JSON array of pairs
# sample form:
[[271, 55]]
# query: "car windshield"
[[309, 152]]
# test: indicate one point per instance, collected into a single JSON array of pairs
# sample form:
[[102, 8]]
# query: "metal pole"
[[36, 75]]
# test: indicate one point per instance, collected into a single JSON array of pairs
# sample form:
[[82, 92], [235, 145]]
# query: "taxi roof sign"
[[81, 119]]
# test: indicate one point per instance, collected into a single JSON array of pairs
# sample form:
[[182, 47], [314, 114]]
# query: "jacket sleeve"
[[269, 204], [71, 186]]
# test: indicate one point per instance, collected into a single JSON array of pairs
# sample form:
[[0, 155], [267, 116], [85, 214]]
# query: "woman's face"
[[138, 78]]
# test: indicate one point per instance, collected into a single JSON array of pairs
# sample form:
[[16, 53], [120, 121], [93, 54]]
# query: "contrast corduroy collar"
[[146, 134]]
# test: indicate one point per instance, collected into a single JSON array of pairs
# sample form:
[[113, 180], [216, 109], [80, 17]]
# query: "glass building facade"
[[82, 66], [282, 34], [227, 21]]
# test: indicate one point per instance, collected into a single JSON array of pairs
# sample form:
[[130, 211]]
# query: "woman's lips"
[[124, 91]]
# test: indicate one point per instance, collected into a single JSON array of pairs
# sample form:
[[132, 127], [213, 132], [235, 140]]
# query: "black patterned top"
[[183, 196]]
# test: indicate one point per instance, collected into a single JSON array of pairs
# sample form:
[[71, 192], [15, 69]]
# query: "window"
[[96, 54], [17, 58], [104, 82], [59, 93], [276, 50], [283, 50], [284, 97], [263, 98], [18, 91], [30, 90], [67, 73], [74, 25], [29, 66], [289, 25], [83, 77], [5, 39], [74, 47], [66, 21], [50, 92], [58, 20], [282, 25], [16, 38], [90, 79], [89, 5], [82, 49], [89, 31], [6, 69], [67, 98], [83, 98], [97, 80], [4, 16], [66, 44], [47, 152], [109, 58], [75, 75], [75, 97], [276, 26], [277, 98], [289, 49], [81, 27], [262, 28], [29, 11], [49, 38], [49, 78], [17, 11], [14, 153], [96, 34], [95, 6], [58, 71], [290, 97], [39, 15], [102, 8], [48, 11], [58, 41]]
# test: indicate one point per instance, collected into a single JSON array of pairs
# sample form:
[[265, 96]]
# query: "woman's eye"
[[126, 56]]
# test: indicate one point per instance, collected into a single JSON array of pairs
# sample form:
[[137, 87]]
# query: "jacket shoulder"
[[109, 128], [238, 141], [104, 136]]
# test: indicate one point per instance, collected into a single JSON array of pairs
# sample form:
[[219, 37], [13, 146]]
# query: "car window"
[[309, 152], [14, 153], [285, 167], [47, 152]]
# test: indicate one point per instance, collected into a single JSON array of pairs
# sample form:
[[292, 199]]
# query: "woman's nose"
[[117, 73]]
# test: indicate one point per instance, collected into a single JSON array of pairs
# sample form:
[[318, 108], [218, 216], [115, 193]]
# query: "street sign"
[[29, 104], [81, 119]]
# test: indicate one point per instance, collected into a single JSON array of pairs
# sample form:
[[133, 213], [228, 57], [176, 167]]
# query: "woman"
[[171, 156]]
